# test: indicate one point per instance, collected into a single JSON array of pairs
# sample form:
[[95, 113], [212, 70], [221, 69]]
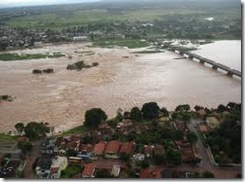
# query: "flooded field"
[[123, 79]]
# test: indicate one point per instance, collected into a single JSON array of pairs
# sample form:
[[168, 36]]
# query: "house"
[[172, 173], [49, 145], [203, 128], [43, 167], [158, 149], [112, 149], [88, 171], [59, 163], [98, 149], [116, 170], [38, 44], [84, 155], [187, 150], [127, 148], [191, 174], [75, 160], [148, 150], [151, 173], [80, 38]]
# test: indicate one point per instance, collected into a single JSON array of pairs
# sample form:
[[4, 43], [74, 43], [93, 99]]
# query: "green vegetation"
[[150, 110], [71, 170], [80, 65], [225, 140], [94, 117], [207, 174], [15, 56], [102, 173], [6, 98], [130, 43], [36, 131], [5, 137], [149, 52], [75, 131]]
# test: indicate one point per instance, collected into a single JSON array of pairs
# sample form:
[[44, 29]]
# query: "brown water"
[[62, 98]]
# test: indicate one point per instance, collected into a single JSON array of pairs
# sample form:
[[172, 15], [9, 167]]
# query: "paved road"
[[206, 164]]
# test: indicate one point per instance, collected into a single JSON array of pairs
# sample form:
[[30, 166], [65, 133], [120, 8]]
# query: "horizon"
[[22, 3]]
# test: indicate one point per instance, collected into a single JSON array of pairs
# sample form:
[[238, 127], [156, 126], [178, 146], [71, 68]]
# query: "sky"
[[16, 3]]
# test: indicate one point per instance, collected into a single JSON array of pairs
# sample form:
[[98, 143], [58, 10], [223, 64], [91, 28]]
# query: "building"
[[112, 149], [43, 167], [139, 157], [58, 164], [12, 168], [151, 173], [148, 151], [98, 150], [127, 148], [80, 38], [115, 170], [88, 171]]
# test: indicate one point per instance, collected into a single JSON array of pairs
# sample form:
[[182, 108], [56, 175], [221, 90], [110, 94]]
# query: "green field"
[[15, 57], [75, 131], [130, 43]]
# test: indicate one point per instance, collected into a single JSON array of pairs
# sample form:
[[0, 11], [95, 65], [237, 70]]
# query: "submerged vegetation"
[[80, 65], [15, 56]]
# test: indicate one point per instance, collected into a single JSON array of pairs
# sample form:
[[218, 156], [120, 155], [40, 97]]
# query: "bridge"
[[203, 60]]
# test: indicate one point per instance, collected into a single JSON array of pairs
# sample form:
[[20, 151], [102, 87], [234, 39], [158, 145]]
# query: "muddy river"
[[123, 79]]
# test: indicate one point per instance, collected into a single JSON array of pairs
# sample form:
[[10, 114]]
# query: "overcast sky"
[[14, 3]]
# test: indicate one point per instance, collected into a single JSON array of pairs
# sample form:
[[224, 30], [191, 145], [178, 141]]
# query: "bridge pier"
[[214, 67], [191, 57], [202, 62], [181, 53], [229, 73]]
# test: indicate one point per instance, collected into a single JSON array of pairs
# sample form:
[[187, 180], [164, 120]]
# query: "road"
[[206, 164]]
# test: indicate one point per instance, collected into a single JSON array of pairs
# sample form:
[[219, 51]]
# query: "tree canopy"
[[150, 110], [35, 130], [94, 117], [135, 114]]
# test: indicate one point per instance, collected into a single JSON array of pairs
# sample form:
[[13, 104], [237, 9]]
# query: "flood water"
[[62, 99], [170, 81]]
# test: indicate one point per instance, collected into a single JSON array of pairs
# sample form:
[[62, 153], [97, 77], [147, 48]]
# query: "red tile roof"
[[99, 148], [127, 148], [148, 149], [113, 147], [150, 173], [88, 169]]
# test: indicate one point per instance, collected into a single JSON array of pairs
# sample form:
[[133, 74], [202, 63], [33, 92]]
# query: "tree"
[[150, 110], [124, 156], [144, 164], [183, 108], [35, 130], [192, 137], [207, 174], [135, 114], [25, 146], [221, 108], [19, 127], [71, 152], [102, 173], [94, 117], [173, 156], [197, 108], [164, 111]]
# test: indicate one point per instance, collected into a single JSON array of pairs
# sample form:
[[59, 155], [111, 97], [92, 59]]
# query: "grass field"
[[75, 131], [130, 43], [5, 137], [15, 57]]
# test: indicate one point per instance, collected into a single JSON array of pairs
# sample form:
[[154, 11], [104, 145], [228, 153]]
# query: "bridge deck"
[[218, 65]]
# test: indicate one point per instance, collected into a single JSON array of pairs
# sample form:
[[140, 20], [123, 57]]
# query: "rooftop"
[[99, 148], [150, 173], [127, 148], [113, 147], [88, 169], [44, 163]]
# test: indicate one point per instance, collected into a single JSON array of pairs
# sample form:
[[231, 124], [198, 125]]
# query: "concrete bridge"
[[203, 60]]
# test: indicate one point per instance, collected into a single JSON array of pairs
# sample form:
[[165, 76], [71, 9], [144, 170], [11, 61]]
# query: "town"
[[150, 142]]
